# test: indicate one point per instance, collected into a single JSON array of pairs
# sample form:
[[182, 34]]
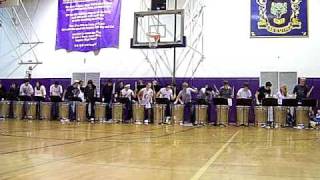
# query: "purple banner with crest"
[[88, 25]]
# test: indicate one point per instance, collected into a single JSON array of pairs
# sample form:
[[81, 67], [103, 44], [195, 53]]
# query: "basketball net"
[[154, 39]]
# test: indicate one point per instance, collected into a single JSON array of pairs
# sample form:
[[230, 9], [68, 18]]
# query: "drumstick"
[[309, 93], [136, 86], [232, 92], [154, 91], [215, 87], [174, 92], [113, 91]]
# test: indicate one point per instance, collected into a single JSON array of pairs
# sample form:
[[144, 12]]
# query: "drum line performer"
[[302, 91], [71, 95], [185, 97], [56, 92], [39, 96], [167, 93], [90, 95], [128, 93], [262, 93], [12, 95], [108, 97], [26, 91], [146, 99]]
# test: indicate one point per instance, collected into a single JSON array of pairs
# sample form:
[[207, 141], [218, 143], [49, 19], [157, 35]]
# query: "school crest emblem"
[[279, 18]]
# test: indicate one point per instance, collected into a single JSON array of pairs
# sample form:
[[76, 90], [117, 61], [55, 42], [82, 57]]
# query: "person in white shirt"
[[244, 92], [282, 93], [202, 92], [166, 93], [126, 92], [39, 92], [25, 92], [39, 95], [56, 92], [185, 97], [81, 88], [145, 99]]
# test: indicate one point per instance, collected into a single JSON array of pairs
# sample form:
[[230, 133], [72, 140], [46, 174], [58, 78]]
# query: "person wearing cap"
[[226, 91], [185, 97], [244, 92], [146, 98], [126, 92], [302, 90], [263, 92], [90, 95], [56, 92]]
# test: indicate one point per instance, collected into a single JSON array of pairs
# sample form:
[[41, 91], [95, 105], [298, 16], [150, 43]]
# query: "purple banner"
[[88, 25]]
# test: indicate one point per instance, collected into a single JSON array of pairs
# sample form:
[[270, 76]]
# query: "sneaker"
[[188, 124], [263, 125], [138, 123], [167, 120]]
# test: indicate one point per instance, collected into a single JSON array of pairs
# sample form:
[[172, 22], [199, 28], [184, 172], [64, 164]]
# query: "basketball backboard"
[[149, 25]]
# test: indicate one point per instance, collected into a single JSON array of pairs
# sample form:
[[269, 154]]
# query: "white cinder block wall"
[[229, 50]]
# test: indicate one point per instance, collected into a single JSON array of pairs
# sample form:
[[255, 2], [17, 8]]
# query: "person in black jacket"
[[13, 93], [119, 87], [90, 94], [107, 97], [2, 92], [71, 95], [107, 92]]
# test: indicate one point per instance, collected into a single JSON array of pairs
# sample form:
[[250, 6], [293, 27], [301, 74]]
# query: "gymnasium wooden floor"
[[51, 150]]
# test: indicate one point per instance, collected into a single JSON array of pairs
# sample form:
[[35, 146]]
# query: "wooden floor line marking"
[[204, 168]]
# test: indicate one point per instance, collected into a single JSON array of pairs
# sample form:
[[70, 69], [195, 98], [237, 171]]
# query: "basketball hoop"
[[154, 39]]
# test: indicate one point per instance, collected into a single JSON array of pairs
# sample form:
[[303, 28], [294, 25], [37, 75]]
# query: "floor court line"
[[204, 168], [76, 141]]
